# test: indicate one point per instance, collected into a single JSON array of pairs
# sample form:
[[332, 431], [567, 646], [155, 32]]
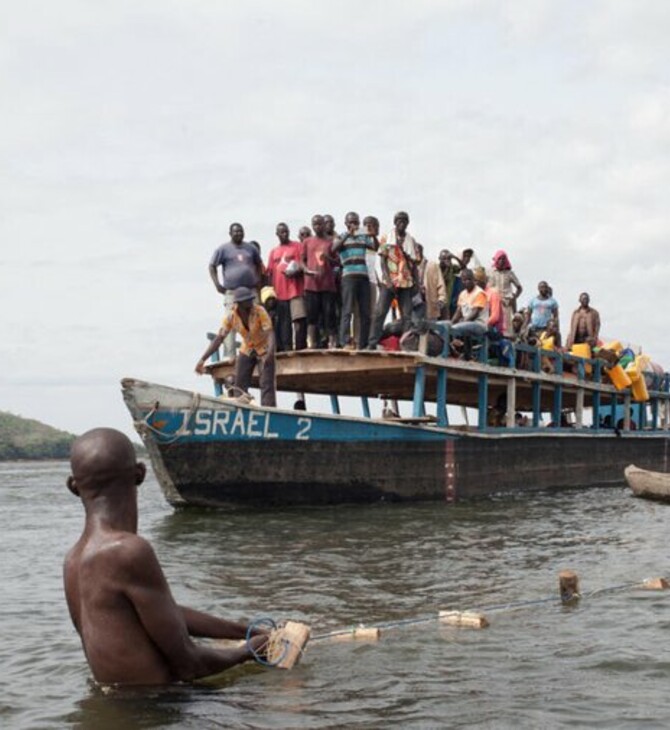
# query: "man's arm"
[[386, 274], [474, 313], [211, 627], [270, 352], [215, 279], [528, 313], [458, 315], [211, 349], [441, 286], [144, 584], [258, 261], [596, 325]]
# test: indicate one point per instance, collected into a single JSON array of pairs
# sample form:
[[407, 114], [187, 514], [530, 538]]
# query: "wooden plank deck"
[[391, 375]]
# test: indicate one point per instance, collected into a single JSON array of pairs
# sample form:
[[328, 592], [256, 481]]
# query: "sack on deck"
[[409, 342]]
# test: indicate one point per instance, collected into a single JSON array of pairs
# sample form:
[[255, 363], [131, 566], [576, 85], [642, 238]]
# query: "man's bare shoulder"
[[124, 552]]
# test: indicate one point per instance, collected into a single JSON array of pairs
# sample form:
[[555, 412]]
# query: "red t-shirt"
[[319, 259], [278, 259]]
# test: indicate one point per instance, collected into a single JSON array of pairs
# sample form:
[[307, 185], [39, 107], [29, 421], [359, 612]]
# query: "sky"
[[134, 133]]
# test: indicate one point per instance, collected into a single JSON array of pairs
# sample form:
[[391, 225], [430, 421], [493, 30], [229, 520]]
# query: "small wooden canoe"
[[648, 484]]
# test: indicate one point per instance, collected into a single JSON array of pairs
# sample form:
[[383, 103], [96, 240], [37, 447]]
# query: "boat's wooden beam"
[[511, 403], [579, 409], [483, 401], [392, 374]]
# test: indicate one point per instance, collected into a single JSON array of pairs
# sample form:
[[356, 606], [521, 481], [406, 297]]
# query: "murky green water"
[[603, 663]]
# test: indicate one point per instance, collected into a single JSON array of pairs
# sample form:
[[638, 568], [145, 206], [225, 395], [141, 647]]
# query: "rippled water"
[[602, 663]]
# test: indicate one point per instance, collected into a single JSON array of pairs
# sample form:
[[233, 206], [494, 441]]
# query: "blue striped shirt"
[[352, 250]]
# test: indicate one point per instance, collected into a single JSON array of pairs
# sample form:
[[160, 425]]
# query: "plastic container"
[[619, 377], [547, 342], [582, 349], [615, 346], [638, 386], [627, 357], [639, 390]]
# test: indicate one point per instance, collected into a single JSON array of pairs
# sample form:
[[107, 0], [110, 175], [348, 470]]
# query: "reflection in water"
[[125, 708]]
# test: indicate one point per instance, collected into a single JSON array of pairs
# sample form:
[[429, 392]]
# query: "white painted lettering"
[[266, 429], [220, 422], [304, 426], [203, 423], [253, 424], [238, 423]]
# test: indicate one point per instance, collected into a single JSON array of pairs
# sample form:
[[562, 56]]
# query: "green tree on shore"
[[25, 438]]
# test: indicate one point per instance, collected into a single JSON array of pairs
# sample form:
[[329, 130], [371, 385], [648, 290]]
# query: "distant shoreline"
[[25, 439]]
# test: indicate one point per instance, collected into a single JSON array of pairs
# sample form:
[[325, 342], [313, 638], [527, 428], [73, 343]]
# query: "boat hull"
[[648, 484], [217, 452]]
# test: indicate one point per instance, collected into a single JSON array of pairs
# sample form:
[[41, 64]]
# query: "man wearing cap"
[[241, 265], [254, 326]]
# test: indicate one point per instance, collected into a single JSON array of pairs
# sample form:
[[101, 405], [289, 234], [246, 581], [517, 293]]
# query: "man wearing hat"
[[254, 326]]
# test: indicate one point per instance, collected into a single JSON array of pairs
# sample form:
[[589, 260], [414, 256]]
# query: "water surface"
[[601, 663]]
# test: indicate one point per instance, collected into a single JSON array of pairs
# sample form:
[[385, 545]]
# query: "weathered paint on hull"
[[330, 473], [219, 453]]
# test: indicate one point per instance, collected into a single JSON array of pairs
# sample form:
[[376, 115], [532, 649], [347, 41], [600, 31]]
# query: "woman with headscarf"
[[504, 280]]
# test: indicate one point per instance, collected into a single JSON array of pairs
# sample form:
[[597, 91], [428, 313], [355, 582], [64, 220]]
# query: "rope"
[[275, 644], [169, 438], [510, 606]]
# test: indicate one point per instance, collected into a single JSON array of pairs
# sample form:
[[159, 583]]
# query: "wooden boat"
[[220, 451], [648, 484]]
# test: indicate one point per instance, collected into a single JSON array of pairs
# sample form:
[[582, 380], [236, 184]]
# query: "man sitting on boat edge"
[[254, 326], [131, 628]]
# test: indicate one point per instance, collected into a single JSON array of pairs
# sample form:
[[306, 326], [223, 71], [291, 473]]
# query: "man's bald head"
[[102, 456]]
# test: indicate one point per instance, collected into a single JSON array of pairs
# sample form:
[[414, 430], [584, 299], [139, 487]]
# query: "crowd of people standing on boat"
[[331, 289]]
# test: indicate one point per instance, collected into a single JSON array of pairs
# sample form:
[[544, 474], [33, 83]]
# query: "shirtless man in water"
[[132, 630]]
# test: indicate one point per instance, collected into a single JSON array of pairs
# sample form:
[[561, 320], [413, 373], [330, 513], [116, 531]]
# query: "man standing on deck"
[[450, 273], [584, 324], [329, 227], [352, 247], [399, 257], [320, 286], [131, 628], [541, 309], [286, 276], [241, 265], [254, 326]]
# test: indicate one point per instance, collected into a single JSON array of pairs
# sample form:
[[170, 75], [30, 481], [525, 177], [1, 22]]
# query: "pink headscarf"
[[500, 261]]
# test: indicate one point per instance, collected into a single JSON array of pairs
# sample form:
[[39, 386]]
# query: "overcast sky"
[[134, 133]]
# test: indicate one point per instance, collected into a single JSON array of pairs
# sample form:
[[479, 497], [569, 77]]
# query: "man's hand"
[[200, 367], [259, 644]]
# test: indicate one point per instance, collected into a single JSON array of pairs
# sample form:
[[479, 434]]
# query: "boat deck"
[[392, 375]]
